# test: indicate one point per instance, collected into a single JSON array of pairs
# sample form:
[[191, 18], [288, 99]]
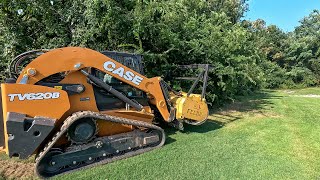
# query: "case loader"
[[75, 108]]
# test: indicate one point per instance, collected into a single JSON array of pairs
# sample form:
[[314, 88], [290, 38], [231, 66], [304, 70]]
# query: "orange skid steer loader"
[[75, 107]]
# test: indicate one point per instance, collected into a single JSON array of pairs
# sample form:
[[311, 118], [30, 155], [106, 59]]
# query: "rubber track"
[[83, 114]]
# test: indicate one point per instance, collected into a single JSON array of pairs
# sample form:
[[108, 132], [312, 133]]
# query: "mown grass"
[[268, 135]]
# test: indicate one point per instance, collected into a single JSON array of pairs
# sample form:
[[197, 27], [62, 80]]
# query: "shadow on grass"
[[189, 129], [255, 103]]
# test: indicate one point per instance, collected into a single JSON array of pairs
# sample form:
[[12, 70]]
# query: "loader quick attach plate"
[[25, 135]]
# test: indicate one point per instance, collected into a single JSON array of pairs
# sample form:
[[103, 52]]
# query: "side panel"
[[32, 100], [1, 125]]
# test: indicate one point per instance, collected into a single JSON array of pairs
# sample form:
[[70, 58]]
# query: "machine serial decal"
[[127, 75], [34, 96]]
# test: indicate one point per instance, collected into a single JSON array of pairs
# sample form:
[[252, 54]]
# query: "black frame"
[[202, 76]]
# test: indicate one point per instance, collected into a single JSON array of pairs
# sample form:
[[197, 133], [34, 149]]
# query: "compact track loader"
[[75, 107]]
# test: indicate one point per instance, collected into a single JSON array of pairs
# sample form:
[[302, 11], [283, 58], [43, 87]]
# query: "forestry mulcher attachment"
[[75, 107]]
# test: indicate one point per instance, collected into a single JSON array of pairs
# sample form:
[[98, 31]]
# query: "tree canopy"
[[245, 55]]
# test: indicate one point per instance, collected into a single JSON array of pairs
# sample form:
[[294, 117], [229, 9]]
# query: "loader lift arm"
[[71, 59]]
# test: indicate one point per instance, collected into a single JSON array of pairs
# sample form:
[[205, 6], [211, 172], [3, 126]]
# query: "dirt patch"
[[10, 169], [308, 96], [288, 91]]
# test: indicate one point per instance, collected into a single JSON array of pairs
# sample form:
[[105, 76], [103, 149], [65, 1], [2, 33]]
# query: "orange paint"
[[72, 59], [16, 98]]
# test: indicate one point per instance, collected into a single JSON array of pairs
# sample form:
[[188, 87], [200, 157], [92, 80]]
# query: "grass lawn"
[[269, 135]]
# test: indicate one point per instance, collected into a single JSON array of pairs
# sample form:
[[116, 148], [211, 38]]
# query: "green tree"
[[245, 55]]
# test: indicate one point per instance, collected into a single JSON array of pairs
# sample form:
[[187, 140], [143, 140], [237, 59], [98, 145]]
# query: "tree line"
[[245, 55]]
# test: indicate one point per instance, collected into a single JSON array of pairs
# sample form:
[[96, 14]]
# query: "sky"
[[286, 14]]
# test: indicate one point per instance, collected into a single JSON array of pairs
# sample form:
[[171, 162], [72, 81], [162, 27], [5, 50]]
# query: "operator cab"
[[106, 100]]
